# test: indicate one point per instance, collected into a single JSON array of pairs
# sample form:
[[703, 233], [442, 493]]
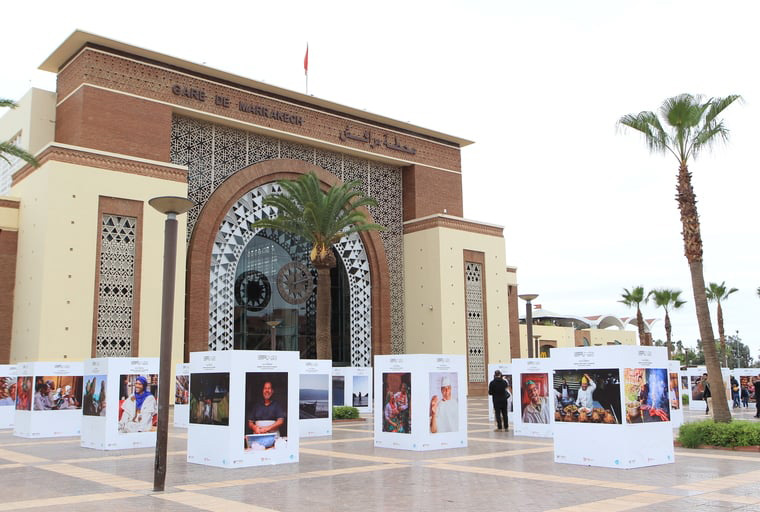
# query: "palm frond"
[[8, 103], [718, 105], [6, 148], [648, 124]]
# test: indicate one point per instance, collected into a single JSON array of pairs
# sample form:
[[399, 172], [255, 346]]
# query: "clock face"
[[252, 290], [295, 282]]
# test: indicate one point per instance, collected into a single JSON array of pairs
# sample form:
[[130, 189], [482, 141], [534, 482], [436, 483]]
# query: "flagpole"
[[306, 67]]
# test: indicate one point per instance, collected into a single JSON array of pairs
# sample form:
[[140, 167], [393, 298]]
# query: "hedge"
[[707, 432], [345, 412]]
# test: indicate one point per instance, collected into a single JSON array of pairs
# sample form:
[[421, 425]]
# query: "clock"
[[295, 282], [252, 290]]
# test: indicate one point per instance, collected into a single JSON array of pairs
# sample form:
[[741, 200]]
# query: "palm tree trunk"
[[640, 323], [692, 240], [324, 307], [668, 334], [722, 336]]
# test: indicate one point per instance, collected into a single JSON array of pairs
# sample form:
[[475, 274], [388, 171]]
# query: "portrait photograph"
[[534, 398], [674, 395], [266, 410], [397, 403], [587, 396], [24, 392], [138, 403], [313, 396], [94, 398], [697, 387], [338, 390], [57, 393], [360, 396], [182, 390], [7, 391], [646, 395], [210, 399], [444, 402], [510, 400]]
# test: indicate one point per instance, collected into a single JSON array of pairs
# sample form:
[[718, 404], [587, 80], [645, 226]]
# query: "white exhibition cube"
[[621, 416], [338, 392], [420, 401], [674, 393], [7, 395], [352, 386], [361, 388], [696, 387], [746, 378], [120, 403], [182, 395], [506, 371], [533, 397], [243, 408], [49, 399], [315, 397]]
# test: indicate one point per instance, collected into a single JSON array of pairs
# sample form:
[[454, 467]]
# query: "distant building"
[[551, 330]]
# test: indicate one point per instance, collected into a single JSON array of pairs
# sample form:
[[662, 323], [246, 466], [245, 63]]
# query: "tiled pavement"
[[498, 471]]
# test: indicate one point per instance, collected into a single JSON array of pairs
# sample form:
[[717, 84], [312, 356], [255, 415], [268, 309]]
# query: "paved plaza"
[[497, 471]]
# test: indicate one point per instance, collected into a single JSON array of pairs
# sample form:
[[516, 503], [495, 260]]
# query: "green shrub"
[[345, 412], [685, 399], [736, 433]]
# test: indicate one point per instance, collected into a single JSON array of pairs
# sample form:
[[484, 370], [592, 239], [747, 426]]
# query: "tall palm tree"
[[8, 148], [667, 299], [634, 298], [716, 293], [323, 218], [692, 125]]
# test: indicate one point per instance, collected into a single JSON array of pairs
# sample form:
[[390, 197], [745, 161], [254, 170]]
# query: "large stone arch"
[[212, 216]]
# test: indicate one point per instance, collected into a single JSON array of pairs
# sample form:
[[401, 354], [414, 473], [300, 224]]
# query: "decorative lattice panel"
[[213, 152], [476, 349], [116, 290]]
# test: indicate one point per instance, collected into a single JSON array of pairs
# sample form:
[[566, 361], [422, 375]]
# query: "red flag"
[[306, 61]]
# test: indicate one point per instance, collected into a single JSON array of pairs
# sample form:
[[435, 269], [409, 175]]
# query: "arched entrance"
[[276, 283], [221, 235]]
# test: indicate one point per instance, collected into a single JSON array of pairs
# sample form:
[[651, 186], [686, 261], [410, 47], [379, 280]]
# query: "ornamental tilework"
[[476, 351], [213, 152], [113, 337]]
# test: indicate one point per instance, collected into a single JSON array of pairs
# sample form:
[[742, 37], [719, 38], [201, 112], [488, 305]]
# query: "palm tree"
[[323, 218], [716, 293], [8, 148], [634, 298], [692, 125], [667, 299]]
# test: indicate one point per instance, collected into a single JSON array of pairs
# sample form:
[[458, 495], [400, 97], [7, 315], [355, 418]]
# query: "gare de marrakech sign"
[[223, 101], [284, 117]]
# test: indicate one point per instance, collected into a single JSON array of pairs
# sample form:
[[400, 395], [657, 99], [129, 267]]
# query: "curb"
[[752, 449]]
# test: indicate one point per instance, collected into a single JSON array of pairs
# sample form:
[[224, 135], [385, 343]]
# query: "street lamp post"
[[171, 207], [527, 297]]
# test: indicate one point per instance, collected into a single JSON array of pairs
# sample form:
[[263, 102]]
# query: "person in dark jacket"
[[757, 395], [499, 396]]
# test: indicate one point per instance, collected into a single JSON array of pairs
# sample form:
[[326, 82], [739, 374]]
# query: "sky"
[[538, 86]]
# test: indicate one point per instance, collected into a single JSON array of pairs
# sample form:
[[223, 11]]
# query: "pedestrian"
[[707, 395], [745, 396], [757, 395], [497, 388], [735, 395]]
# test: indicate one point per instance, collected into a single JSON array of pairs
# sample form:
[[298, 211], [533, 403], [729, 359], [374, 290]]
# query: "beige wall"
[[8, 215], [606, 336], [434, 292], [55, 275], [34, 117]]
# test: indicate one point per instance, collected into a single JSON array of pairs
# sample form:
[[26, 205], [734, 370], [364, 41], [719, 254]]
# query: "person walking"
[[497, 388], [735, 395], [757, 395], [707, 395]]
